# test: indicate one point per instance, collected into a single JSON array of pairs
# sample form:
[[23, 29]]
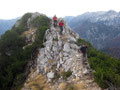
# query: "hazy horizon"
[[11, 9]]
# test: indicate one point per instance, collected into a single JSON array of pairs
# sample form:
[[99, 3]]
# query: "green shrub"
[[107, 68], [71, 87], [56, 39], [23, 24], [67, 74], [57, 76], [41, 21]]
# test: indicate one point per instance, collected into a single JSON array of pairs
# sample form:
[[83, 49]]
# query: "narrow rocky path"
[[60, 54]]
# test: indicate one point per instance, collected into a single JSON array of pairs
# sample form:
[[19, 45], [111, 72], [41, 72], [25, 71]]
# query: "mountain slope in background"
[[102, 29], [6, 25]]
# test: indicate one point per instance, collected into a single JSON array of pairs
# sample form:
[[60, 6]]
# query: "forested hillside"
[[14, 59]]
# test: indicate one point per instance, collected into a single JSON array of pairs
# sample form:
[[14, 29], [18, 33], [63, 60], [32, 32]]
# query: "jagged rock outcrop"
[[30, 35], [31, 29], [59, 64]]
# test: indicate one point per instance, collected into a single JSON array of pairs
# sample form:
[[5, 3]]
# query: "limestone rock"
[[72, 39], [50, 75], [66, 54], [29, 35], [66, 47], [60, 43]]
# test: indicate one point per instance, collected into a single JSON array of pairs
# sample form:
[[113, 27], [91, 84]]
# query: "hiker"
[[55, 21], [83, 50], [61, 26]]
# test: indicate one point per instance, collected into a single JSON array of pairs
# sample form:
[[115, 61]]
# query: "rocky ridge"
[[60, 56]]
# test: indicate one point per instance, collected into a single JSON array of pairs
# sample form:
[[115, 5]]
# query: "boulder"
[[74, 46], [54, 49], [49, 45], [66, 47], [50, 75], [60, 43], [66, 54], [72, 39], [42, 51], [65, 58]]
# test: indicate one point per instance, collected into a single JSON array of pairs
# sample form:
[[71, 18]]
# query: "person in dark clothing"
[[55, 21], [61, 26], [84, 50]]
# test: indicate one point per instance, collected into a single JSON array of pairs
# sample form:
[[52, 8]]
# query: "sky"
[[15, 8]]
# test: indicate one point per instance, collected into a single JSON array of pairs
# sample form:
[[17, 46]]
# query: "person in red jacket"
[[55, 21], [61, 26]]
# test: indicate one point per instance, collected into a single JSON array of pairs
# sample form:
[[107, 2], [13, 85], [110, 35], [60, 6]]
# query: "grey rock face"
[[60, 53]]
